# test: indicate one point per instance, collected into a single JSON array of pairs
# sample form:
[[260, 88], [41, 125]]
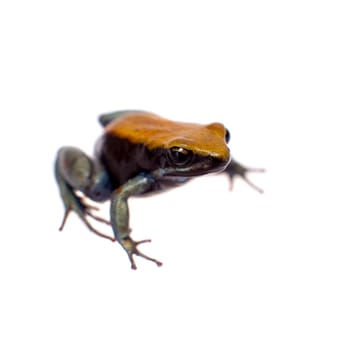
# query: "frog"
[[140, 153]]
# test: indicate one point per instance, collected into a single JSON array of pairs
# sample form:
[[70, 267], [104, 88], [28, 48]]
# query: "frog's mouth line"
[[206, 166]]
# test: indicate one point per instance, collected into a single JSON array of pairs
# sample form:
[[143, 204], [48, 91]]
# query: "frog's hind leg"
[[75, 171]]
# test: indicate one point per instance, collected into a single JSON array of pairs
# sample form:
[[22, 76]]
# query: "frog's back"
[[155, 132], [108, 118]]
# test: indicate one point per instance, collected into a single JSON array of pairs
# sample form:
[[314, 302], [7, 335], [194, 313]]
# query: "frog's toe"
[[130, 247], [65, 217], [95, 231], [236, 169], [82, 209], [98, 218]]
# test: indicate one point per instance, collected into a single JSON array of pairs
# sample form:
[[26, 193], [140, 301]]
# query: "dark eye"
[[227, 136], [180, 156]]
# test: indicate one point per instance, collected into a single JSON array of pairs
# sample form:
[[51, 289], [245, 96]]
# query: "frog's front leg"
[[236, 169], [75, 171], [120, 214]]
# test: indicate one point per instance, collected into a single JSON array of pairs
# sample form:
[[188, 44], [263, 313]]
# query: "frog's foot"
[[237, 169], [83, 210], [130, 247]]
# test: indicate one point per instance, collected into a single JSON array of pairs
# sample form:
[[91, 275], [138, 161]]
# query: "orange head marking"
[[156, 132]]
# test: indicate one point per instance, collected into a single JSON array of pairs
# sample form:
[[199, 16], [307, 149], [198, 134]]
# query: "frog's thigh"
[[74, 166]]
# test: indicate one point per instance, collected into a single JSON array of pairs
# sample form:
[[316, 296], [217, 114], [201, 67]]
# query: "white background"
[[241, 270]]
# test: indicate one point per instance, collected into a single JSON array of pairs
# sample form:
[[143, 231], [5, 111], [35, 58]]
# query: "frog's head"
[[197, 149], [180, 148]]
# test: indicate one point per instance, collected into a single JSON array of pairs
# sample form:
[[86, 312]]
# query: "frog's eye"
[[227, 136], [179, 156]]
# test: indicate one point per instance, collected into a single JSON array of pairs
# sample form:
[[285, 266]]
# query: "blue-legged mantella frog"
[[140, 153]]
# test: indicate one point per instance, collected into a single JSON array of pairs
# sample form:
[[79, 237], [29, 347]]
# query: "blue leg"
[[75, 171], [120, 215], [236, 169]]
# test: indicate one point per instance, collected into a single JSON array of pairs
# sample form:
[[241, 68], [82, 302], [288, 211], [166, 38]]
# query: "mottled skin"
[[140, 153]]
